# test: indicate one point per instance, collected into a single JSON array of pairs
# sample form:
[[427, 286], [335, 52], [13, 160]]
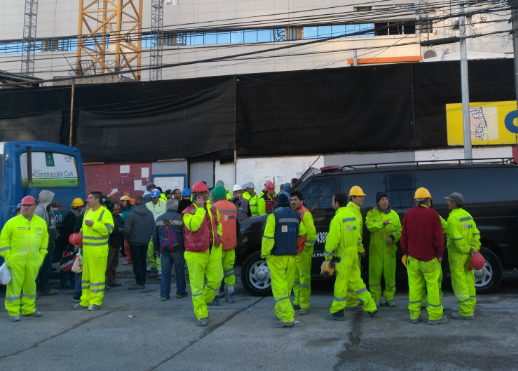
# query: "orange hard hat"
[[268, 186], [132, 201], [28, 200], [199, 187], [477, 262], [76, 239]]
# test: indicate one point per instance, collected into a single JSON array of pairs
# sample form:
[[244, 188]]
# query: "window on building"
[[250, 36], [50, 45], [348, 30], [395, 28], [400, 189]]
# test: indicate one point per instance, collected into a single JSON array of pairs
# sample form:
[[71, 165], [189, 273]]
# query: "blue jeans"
[[168, 259], [43, 279]]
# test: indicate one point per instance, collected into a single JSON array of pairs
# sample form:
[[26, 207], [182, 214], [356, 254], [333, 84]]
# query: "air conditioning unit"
[[434, 53]]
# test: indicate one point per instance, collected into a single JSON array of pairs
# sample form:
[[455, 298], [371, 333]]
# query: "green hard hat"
[[219, 192]]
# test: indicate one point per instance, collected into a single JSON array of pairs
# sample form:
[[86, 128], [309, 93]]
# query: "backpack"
[[169, 240]]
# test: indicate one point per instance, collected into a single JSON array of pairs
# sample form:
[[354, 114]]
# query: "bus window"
[[50, 170]]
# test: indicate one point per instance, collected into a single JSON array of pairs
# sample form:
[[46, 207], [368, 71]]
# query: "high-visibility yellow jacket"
[[380, 232], [268, 241], [253, 202], [193, 222], [344, 234], [99, 233], [359, 218], [309, 224], [463, 234], [21, 238]]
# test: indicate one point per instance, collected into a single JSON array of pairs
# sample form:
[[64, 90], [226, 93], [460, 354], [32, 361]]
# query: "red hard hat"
[[76, 239], [477, 262], [269, 186], [28, 200], [126, 193], [199, 187]]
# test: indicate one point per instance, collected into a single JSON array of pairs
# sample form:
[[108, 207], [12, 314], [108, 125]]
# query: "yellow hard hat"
[[356, 191], [125, 198], [77, 202], [422, 193]]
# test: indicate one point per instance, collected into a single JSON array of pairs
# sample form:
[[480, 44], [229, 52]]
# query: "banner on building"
[[492, 123]]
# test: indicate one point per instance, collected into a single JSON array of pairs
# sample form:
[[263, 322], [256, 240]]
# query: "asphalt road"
[[136, 331]]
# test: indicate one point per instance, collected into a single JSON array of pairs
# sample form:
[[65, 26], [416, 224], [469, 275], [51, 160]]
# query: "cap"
[[379, 195], [283, 199], [168, 192], [456, 197], [150, 185]]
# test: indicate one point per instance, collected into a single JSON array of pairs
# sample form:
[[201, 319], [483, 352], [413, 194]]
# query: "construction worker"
[[202, 241], [97, 227], [253, 199], [356, 197], [422, 241], [267, 200], [385, 231], [282, 232], [229, 231], [185, 201], [158, 207], [243, 208], [462, 242], [302, 284], [227, 193], [23, 245], [343, 242]]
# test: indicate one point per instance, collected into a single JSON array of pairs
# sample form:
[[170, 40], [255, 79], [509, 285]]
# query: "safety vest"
[[301, 241], [227, 218], [253, 203], [286, 231], [199, 240], [269, 202], [92, 235]]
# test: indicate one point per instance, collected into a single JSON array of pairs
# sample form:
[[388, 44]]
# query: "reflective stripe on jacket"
[[197, 228], [21, 237], [344, 234], [228, 218], [311, 232], [99, 233], [282, 232]]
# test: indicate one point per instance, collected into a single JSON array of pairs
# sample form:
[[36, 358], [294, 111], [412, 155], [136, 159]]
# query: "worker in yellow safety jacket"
[[463, 241], [23, 245], [282, 233], [202, 241], [158, 207], [342, 246], [302, 284], [97, 227], [252, 197], [385, 230]]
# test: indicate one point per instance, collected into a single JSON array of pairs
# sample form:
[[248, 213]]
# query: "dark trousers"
[[138, 256], [168, 258], [43, 280], [113, 262]]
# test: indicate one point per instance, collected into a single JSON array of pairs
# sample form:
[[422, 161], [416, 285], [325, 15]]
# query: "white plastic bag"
[[5, 274], [77, 267]]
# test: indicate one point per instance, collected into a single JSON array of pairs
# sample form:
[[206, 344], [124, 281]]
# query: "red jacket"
[[422, 237]]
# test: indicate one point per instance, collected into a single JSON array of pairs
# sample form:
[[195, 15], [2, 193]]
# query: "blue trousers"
[[168, 259]]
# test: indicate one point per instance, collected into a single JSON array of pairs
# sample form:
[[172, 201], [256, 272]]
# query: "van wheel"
[[489, 278], [255, 275]]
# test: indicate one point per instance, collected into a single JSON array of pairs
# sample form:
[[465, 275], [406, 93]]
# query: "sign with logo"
[[50, 170], [492, 123]]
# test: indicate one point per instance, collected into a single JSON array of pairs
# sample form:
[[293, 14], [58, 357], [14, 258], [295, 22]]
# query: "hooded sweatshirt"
[[138, 227], [44, 210]]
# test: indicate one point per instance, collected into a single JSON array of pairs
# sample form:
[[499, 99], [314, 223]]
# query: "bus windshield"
[[50, 170]]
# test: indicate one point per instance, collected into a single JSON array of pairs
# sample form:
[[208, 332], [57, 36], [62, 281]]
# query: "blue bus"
[[27, 168]]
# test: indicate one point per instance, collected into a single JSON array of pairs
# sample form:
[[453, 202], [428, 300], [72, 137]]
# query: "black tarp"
[[325, 111], [152, 121]]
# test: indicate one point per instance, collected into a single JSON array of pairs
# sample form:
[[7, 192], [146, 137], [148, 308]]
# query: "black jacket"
[[116, 237], [138, 228]]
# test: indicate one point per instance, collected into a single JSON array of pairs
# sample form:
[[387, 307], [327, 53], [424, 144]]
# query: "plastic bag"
[[77, 267], [5, 274]]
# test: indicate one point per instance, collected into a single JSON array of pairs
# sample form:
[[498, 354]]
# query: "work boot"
[[159, 274], [336, 316], [457, 315], [229, 298], [373, 313], [391, 303], [357, 308], [179, 296], [215, 301], [279, 323], [296, 306], [416, 320], [165, 299], [136, 287], [33, 314], [76, 299], [378, 304], [107, 287], [303, 311], [438, 321], [94, 307], [79, 306], [203, 322], [14, 318]]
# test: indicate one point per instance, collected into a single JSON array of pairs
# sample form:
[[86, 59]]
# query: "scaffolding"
[[29, 37], [157, 40], [109, 37]]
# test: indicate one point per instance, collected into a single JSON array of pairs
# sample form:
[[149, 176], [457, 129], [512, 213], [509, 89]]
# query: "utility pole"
[[157, 26], [29, 37], [466, 116], [514, 15]]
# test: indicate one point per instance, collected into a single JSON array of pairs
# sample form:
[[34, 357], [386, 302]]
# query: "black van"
[[488, 186]]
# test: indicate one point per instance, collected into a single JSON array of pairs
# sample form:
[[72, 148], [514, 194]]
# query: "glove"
[[322, 266]]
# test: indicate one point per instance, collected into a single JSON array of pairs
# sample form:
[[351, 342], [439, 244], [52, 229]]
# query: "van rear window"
[[50, 170], [400, 188]]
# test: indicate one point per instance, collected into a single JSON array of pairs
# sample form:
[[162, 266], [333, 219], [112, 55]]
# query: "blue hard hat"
[[186, 192], [155, 193]]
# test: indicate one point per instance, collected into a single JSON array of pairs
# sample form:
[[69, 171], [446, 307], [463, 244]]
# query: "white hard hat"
[[237, 187]]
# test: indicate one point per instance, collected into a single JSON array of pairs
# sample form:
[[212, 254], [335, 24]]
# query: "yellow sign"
[[491, 123]]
